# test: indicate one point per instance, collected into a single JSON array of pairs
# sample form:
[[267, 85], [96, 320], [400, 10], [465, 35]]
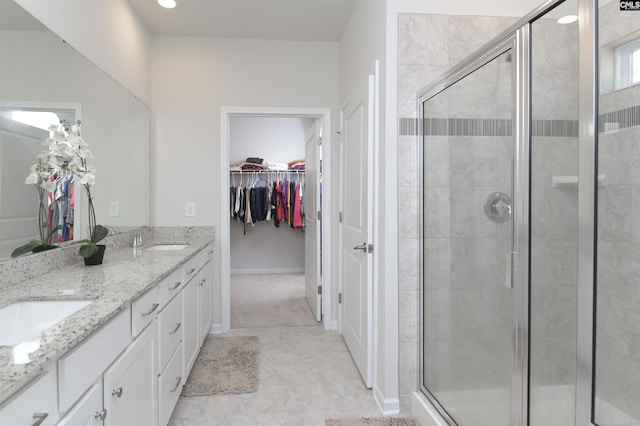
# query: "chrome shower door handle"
[[510, 269]]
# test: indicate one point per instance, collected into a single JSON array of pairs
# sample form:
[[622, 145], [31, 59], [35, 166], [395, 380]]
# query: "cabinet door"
[[88, 411], [38, 402], [190, 343], [204, 301], [130, 385]]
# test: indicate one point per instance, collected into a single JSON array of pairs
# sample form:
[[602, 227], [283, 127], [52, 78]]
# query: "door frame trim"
[[326, 225]]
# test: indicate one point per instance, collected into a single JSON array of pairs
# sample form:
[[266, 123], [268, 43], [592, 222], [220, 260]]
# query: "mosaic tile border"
[[485, 127], [611, 121], [616, 120]]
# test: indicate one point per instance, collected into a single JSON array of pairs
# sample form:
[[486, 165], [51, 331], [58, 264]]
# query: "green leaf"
[[99, 232], [88, 250], [27, 248], [53, 231]]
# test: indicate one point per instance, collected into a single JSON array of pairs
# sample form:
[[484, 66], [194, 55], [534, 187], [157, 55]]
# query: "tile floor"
[[306, 373], [306, 376]]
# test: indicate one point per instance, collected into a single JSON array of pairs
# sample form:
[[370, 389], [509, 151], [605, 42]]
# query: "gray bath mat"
[[365, 421], [225, 365]]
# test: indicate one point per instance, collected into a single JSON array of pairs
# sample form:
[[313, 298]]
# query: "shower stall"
[[530, 296]]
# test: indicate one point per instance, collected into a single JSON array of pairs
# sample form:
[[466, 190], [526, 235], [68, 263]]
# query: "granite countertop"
[[125, 275]]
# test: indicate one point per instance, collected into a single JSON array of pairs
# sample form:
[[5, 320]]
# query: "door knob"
[[367, 248]]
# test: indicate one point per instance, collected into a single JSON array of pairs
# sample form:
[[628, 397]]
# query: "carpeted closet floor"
[[274, 300], [307, 374]]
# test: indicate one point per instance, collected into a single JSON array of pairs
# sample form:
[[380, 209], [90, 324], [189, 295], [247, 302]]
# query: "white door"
[[312, 268], [356, 227]]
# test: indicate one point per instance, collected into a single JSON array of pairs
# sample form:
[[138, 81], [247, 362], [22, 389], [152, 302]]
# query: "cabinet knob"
[[191, 271], [175, 285], [101, 414], [38, 418], [117, 392]]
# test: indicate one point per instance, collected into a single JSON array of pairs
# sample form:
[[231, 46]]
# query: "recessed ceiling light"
[[169, 4], [569, 19]]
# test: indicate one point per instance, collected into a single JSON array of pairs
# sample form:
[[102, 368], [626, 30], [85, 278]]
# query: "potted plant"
[[36, 246], [92, 252], [69, 152]]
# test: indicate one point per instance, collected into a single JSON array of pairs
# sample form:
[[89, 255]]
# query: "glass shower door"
[[468, 244]]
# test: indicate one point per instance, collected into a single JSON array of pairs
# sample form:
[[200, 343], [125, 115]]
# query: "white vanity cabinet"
[[35, 405], [130, 384], [130, 372]]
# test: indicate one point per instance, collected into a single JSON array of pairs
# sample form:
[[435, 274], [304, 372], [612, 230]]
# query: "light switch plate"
[[190, 209], [114, 209]]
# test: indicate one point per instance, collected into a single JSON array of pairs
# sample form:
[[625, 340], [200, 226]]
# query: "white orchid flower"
[[32, 178], [88, 179]]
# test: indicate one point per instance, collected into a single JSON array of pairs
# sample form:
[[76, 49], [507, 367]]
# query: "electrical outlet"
[[190, 209], [114, 209]]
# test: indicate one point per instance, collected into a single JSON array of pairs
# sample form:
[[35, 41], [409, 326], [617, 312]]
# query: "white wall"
[[107, 32], [266, 248], [192, 78], [275, 139]]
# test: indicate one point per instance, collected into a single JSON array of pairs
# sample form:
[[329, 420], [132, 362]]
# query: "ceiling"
[[296, 20]]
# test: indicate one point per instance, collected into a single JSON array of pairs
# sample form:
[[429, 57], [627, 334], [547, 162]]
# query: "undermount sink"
[[162, 247], [22, 321]]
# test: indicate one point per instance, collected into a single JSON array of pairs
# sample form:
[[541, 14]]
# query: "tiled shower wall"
[[428, 46], [618, 276]]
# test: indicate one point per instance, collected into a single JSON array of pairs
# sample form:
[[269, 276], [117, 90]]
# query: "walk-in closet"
[[268, 218]]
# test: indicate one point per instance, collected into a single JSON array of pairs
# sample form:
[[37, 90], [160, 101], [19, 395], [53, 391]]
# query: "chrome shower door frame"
[[517, 37], [518, 43]]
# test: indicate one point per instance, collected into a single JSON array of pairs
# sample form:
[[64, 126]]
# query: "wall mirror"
[[40, 72]]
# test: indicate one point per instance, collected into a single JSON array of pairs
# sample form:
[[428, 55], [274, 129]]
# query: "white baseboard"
[[388, 406], [216, 329], [265, 271], [424, 412]]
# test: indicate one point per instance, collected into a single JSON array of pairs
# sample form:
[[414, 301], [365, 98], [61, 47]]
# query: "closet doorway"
[[266, 258]]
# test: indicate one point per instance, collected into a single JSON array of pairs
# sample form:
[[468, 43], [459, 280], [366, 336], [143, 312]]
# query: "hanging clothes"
[[257, 199]]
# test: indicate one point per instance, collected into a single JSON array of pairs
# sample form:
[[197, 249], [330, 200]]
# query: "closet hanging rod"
[[266, 171]]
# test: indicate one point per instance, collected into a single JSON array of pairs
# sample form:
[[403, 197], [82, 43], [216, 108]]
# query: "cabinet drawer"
[[88, 411], [169, 388], [193, 265], [79, 369], [144, 310], [169, 331], [171, 286], [37, 400]]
